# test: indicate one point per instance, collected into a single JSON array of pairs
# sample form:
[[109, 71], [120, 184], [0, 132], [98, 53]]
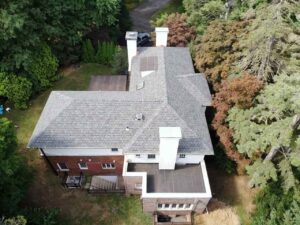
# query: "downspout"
[[48, 161]]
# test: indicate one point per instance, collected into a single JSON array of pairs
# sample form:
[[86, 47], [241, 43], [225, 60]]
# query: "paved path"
[[141, 15]]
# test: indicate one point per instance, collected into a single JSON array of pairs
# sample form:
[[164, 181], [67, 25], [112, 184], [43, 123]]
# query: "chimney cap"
[[170, 132], [131, 35], [161, 29]]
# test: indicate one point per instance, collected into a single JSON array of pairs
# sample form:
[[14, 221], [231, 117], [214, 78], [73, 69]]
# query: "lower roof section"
[[184, 179]]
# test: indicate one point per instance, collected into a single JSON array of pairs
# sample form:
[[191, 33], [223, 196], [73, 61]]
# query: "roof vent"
[[140, 85], [139, 116]]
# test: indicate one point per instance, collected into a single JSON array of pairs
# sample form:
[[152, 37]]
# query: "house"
[[150, 140]]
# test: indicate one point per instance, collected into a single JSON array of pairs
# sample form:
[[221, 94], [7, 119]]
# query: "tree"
[[274, 207], [270, 48], [18, 220], [16, 89], [14, 172], [238, 92], [218, 49], [201, 13], [180, 33], [120, 61], [266, 135], [43, 68]]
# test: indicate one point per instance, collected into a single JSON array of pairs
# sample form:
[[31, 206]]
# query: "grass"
[[172, 7], [72, 80], [131, 4], [76, 206]]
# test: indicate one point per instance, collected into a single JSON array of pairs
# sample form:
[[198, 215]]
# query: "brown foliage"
[[180, 33], [238, 92], [218, 49]]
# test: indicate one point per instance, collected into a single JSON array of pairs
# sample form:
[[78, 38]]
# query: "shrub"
[[43, 68], [105, 52], [180, 32], [41, 216], [120, 61], [16, 89], [88, 52]]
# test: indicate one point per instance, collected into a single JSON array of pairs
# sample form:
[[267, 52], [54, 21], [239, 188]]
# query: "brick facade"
[[94, 164]]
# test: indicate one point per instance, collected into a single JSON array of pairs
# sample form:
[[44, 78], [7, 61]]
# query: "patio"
[[108, 83]]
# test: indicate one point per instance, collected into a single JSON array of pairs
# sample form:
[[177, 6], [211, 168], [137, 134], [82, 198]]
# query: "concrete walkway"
[[141, 15]]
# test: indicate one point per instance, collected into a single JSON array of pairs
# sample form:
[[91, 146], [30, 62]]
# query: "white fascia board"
[[80, 152]]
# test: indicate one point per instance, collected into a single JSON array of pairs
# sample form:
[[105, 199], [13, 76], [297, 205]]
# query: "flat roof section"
[[184, 179]]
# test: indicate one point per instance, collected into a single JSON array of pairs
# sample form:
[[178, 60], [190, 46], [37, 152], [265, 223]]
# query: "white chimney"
[[131, 37], [161, 36], [168, 147]]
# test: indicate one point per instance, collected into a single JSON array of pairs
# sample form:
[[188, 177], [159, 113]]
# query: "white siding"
[[189, 159], [80, 152], [142, 159]]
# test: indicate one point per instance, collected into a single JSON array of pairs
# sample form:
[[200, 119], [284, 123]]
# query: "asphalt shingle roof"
[[173, 95]]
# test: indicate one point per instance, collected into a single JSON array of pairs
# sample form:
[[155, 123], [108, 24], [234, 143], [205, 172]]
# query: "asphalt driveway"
[[141, 15]]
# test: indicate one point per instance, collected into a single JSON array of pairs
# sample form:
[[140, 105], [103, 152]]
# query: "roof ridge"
[[145, 125], [41, 127], [175, 112]]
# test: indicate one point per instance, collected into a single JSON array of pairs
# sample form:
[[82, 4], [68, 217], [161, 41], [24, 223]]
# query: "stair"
[[102, 184]]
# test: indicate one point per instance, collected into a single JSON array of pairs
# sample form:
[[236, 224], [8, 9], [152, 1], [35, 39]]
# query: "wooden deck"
[[184, 179], [108, 83]]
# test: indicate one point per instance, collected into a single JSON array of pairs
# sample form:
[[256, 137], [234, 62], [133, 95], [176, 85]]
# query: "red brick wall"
[[93, 163]]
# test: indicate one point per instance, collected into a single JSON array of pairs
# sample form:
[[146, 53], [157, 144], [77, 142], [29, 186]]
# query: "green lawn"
[[77, 206], [71, 80]]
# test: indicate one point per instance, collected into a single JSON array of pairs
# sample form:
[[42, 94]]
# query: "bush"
[[120, 61], [43, 68], [88, 52], [105, 52], [16, 89], [15, 173], [41, 216], [18, 220]]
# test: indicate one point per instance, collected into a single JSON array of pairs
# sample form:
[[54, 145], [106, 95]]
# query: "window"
[[138, 186], [151, 156], [188, 206], [62, 166], [137, 156], [108, 166], [182, 156], [159, 206], [82, 165], [167, 206], [174, 206], [180, 206], [114, 149]]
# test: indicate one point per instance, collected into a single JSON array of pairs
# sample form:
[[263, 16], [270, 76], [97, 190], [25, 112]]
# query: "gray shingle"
[[173, 95]]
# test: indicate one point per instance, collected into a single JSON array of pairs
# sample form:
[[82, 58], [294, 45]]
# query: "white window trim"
[[83, 168], [176, 208], [138, 186], [61, 168], [108, 168]]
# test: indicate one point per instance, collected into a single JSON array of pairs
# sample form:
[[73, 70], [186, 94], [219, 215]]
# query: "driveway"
[[108, 83], [141, 15]]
